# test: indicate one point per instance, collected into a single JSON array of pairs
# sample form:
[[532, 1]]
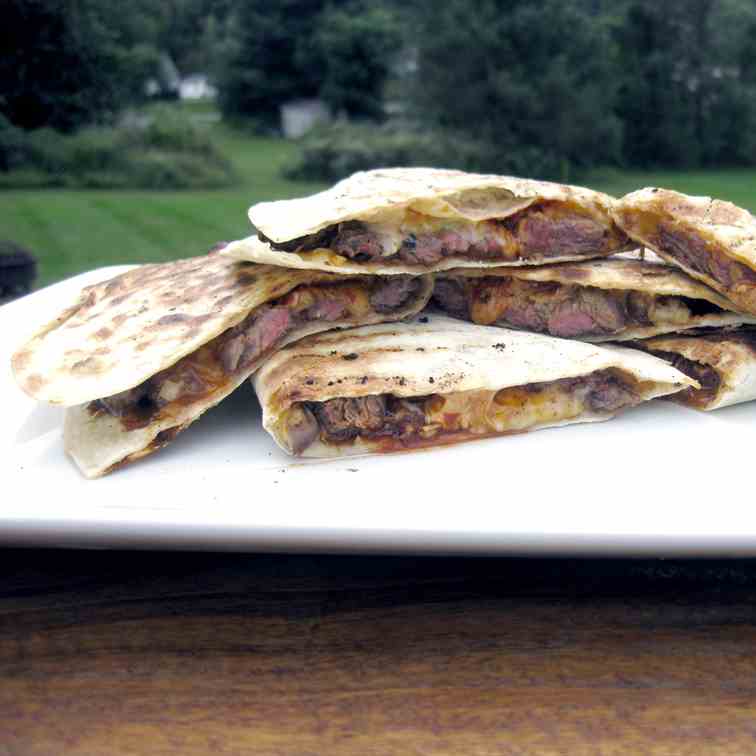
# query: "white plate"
[[660, 479]]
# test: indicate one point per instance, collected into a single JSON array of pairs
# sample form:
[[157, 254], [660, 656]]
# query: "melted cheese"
[[511, 409]]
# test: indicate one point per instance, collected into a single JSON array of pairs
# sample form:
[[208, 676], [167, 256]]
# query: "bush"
[[330, 153], [166, 153]]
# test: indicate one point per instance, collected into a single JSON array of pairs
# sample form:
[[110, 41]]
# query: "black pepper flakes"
[[500, 346], [431, 380], [351, 356]]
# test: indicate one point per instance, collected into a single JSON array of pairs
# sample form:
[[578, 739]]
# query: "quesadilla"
[[436, 381], [598, 300], [140, 357], [410, 220], [711, 240], [722, 361]]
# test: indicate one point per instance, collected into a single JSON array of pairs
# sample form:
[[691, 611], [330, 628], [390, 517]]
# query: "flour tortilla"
[[625, 273], [436, 355], [124, 331], [721, 225], [382, 196], [730, 352]]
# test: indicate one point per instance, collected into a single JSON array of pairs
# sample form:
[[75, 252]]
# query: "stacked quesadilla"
[[612, 299], [414, 220], [315, 308], [722, 361], [437, 381], [140, 357]]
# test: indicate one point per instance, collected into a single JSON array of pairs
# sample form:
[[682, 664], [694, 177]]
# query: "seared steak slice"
[[696, 254], [343, 419], [451, 296], [545, 235], [392, 292], [253, 337], [606, 392]]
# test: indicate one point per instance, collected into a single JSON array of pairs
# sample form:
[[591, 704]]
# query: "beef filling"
[[694, 252], [239, 346], [544, 230], [706, 375], [342, 420], [560, 310]]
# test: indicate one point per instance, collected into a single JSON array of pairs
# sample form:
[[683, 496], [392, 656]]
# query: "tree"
[[269, 58], [685, 95], [340, 51], [357, 45], [534, 81], [66, 63]]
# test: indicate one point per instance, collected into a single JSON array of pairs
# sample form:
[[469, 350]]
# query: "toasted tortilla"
[[125, 331], [623, 274], [684, 229], [435, 355], [384, 196], [728, 356]]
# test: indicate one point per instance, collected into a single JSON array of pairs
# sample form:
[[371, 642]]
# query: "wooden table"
[[113, 652]]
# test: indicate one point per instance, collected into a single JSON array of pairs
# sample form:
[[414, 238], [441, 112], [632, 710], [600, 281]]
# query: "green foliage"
[[167, 153], [339, 51], [332, 152], [268, 59], [687, 94], [519, 76], [356, 45], [68, 63]]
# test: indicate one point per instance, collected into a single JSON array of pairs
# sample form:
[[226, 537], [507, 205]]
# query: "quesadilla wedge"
[[410, 220], [140, 357], [723, 361], [711, 240], [436, 381], [597, 300]]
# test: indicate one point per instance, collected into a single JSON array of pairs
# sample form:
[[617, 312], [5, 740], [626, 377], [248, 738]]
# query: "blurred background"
[[141, 131]]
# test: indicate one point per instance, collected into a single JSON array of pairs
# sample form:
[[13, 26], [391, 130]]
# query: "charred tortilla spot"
[[351, 356], [245, 279], [21, 360], [87, 365], [176, 317], [34, 382]]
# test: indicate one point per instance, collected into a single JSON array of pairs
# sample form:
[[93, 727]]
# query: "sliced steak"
[[541, 234], [426, 249], [253, 337], [392, 292], [695, 253], [343, 419], [179, 382], [355, 241], [569, 321], [709, 379], [607, 392], [451, 296]]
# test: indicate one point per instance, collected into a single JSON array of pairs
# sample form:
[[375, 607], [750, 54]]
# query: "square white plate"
[[659, 479]]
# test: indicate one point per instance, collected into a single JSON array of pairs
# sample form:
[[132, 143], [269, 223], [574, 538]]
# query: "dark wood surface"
[[130, 653]]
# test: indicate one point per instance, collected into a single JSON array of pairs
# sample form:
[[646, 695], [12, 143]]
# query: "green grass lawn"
[[72, 231]]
